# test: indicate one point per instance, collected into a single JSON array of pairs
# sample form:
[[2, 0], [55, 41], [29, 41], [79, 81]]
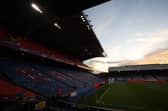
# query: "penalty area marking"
[[97, 101]]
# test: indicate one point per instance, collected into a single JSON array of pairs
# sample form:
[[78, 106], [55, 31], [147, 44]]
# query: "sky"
[[130, 29]]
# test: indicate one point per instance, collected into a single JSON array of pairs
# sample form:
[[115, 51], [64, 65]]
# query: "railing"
[[85, 107]]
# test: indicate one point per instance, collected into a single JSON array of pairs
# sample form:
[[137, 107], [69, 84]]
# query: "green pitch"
[[148, 96]]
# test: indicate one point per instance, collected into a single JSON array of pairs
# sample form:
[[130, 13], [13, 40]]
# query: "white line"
[[103, 94]]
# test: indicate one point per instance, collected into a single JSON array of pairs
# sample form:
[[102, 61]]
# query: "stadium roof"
[[139, 67], [57, 24]]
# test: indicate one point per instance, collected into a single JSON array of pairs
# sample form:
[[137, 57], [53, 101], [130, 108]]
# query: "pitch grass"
[[148, 96]]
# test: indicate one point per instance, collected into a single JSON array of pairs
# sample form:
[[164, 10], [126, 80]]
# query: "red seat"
[[8, 89]]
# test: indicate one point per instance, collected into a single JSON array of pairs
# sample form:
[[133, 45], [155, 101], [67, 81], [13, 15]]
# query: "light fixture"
[[83, 19], [88, 27], [35, 7], [56, 24], [81, 16]]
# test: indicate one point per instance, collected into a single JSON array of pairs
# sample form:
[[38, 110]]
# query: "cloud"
[[149, 42], [159, 56], [134, 52], [98, 64], [138, 47], [158, 51], [114, 53], [150, 48], [139, 34]]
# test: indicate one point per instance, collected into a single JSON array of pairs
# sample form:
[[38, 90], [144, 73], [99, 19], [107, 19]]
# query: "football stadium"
[[86, 55]]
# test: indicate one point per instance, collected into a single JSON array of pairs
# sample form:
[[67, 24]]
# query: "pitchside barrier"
[[158, 81], [86, 107]]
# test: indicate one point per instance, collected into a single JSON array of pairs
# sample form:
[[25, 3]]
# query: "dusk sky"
[[130, 29]]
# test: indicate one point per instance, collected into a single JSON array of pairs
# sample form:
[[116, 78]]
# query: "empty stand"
[[47, 80], [9, 89], [23, 44]]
